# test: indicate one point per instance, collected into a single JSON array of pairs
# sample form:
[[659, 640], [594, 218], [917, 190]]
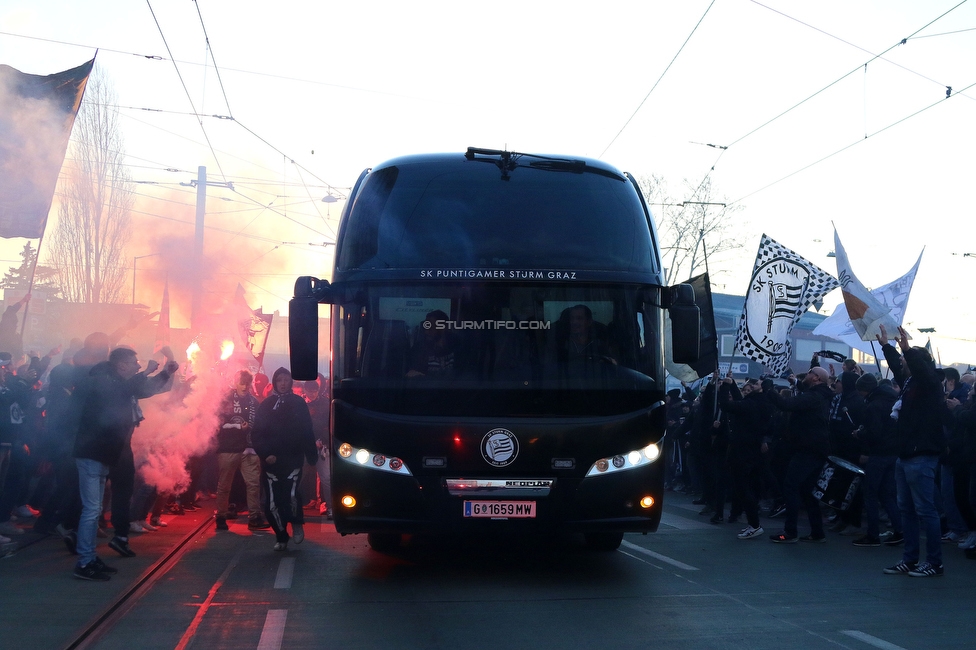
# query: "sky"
[[829, 119]]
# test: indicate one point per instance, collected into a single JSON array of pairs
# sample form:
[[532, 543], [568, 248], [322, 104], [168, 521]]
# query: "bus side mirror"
[[303, 326], [685, 324]]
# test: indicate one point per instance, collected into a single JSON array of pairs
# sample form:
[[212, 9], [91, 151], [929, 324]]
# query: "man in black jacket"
[[880, 448], [809, 411], [283, 439], [108, 399], [750, 414], [921, 440]]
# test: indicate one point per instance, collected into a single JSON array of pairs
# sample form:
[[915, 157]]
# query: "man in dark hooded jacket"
[[809, 411], [283, 439], [921, 440]]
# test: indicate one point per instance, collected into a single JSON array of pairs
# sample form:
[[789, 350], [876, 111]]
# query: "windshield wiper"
[[507, 161]]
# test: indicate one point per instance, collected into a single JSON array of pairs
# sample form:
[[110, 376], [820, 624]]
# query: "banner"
[[708, 360], [252, 325], [782, 288], [36, 116], [894, 296]]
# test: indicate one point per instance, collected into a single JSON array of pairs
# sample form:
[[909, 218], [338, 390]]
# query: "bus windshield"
[[490, 349], [444, 214]]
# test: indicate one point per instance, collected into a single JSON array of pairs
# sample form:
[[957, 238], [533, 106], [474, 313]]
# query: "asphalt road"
[[691, 585]]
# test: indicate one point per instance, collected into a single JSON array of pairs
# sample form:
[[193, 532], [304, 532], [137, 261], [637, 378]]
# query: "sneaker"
[[323, 508], [732, 520], [750, 532], [717, 518], [90, 572], [867, 541], [777, 511], [783, 538], [10, 528], [896, 539], [926, 570], [707, 510], [177, 509], [814, 540], [102, 567], [258, 523], [953, 537], [157, 522], [191, 507], [281, 546], [298, 533], [137, 527], [121, 546], [148, 526], [24, 513], [969, 541], [222, 523], [900, 569]]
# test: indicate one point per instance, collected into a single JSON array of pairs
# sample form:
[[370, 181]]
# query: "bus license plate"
[[500, 509]]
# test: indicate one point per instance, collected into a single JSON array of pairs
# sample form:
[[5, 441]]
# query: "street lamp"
[[134, 261]]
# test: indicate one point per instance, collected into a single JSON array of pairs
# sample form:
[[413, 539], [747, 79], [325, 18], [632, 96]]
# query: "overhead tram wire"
[[186, 90], [862, 49], [212, 58], [646, 97], [835, 82], [863, 65], [856, 142]]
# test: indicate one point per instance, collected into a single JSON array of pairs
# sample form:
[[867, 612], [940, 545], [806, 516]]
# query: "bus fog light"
[[633, 457], [602, 465], [652, 451], [396, 464], [647, 501], [345, 450], [379, 460], [362, 456], [348, 501], [618, 461]]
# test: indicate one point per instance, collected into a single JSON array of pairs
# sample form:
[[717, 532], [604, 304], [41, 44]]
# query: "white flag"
[[893, 296], [867, 314], [782, 288]]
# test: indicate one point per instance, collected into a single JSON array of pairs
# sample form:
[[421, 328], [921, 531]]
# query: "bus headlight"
[[623, 462], [372, 460]]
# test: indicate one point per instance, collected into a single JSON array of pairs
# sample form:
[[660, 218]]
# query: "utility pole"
[[201, 184]]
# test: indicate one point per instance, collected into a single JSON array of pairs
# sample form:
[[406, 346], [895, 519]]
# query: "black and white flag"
[[782, 288]]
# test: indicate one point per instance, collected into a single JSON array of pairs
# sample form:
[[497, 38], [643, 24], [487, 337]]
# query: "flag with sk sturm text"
[[36, 116], [781, 290], [894, 296]]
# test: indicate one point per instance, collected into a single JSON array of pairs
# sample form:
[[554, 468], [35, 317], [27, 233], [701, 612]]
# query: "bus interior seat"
[[386, 351]]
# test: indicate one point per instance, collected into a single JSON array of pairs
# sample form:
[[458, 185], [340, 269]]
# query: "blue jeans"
[[91, 485], [915, 478], [879, 488]]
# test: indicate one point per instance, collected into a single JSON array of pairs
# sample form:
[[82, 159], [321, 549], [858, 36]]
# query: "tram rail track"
[[105, 620]]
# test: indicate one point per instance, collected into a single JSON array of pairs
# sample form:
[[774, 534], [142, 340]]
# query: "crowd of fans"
[[899, 446], [66, 459]]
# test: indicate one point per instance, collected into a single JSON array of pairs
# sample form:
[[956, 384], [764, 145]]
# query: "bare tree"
[[692, 226], [97, 194]]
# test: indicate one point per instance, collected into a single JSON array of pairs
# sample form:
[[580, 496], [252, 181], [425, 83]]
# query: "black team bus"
[[498, 349]]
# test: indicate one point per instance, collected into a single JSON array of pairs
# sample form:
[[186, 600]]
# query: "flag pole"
[[30, 283]]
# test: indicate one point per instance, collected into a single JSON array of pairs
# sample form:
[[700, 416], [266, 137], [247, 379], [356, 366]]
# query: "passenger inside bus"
[[434, 349], [580, 338]]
